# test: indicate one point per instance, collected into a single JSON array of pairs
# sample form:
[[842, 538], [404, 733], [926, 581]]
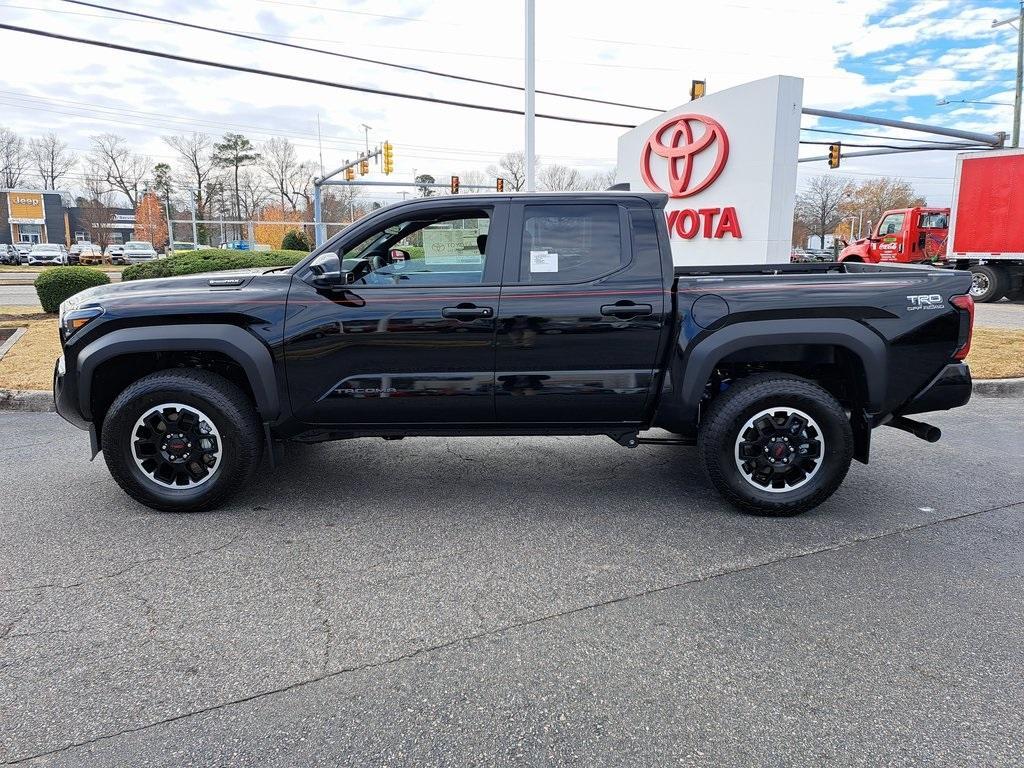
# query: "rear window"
[[570, 243]]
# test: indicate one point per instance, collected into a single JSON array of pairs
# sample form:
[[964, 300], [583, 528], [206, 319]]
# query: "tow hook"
[[917, 428]]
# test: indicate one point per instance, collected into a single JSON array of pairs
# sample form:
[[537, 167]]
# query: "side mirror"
[[327, 273], [399, 254]]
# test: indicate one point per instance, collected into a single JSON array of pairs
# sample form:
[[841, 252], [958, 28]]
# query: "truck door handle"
[[466, 312], [626, 309]]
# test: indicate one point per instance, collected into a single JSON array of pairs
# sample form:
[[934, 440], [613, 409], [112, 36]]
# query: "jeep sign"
[[727, 161]]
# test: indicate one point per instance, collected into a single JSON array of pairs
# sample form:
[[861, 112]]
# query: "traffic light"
[[501, 184], [697, 89], [389, 158], [364, 167], [455, 185], [350, 173], [833, 155]]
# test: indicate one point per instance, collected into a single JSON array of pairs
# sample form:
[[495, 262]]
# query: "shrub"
[[210, 260], [59, 283], [296, 240]]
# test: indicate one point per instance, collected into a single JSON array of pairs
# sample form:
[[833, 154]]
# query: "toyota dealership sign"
[[727, 162]]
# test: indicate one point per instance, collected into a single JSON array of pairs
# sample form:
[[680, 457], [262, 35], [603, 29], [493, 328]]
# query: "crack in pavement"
[[130, 567], [497, 631]]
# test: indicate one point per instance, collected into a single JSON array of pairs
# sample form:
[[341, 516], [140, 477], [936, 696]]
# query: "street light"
[[944, 102]]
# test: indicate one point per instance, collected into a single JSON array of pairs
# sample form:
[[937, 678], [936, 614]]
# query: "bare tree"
[[197, 169], [302, 183], [123, 170], [819, 205], [52, 159], [14, 159], [512, 168], [281, 163], [96, 208], [602, 179], [253, 194], [561, 178], [873, 197]]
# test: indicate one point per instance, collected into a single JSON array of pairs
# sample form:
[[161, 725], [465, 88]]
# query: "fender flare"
[[238, 344], [867, 346]]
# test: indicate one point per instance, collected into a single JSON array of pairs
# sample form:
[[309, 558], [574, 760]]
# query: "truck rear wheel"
[[181, 440], [776, 444], [988, 282]]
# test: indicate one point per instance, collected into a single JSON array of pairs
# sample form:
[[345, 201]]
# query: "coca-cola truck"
[[983, 232]]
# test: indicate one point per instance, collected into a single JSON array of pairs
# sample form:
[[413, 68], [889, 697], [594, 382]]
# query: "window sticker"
[[543, 261]]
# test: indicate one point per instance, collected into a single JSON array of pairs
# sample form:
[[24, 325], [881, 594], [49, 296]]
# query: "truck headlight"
[[72, 318]]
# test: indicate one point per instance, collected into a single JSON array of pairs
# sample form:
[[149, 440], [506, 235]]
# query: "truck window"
[[891, 224], [439, 251], [934, 221], [570, 243]]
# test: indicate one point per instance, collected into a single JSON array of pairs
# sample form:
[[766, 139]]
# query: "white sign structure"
[[728, 163]]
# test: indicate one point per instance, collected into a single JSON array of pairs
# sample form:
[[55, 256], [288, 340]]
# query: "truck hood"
[[240, 284]]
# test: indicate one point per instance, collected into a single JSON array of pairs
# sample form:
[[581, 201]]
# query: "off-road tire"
[[233, 414], [723, 424]]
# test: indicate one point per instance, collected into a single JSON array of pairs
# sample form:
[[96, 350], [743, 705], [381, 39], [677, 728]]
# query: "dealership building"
[[31, 216]]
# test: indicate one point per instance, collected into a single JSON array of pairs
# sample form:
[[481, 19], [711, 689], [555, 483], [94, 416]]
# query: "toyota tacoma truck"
[[501, 315]]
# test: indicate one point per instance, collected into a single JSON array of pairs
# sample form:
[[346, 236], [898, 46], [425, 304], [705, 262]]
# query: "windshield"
[[138, 247], [47, 248]]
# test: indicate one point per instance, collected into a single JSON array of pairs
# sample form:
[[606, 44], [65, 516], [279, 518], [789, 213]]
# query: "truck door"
[[411, 340], [582, 307], [891, 236]]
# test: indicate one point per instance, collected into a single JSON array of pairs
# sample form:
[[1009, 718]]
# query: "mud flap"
[[94, 442], [861, 436]]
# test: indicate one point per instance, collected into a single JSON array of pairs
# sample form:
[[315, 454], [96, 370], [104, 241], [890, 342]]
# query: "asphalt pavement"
[[523, 601]]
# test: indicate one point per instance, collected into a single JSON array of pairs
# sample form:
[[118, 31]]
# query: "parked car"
[[138, 251], [178, 246], [776, 372], [24, 249], [46, 254], [90, 254], [9, 255], [115, 253]]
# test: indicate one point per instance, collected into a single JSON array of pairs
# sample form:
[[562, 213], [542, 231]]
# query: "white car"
[[138, 251], [47, 253], [114, 253]]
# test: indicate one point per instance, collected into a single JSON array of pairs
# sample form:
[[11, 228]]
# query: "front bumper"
[[951, 388], [65, 396]]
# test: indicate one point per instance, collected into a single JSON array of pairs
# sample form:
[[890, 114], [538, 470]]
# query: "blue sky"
[[894, 59]]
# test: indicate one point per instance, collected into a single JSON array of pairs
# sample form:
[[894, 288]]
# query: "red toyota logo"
[[680, 148]]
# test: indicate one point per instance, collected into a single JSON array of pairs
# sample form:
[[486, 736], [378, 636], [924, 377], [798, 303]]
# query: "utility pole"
[[531, 169], [1020, 76], [366, 133], [1019, 19]]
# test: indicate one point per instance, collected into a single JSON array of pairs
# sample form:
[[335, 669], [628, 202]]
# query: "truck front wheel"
[[776, 444], [181, 440]]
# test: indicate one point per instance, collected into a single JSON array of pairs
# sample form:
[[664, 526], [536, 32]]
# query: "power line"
[[407, 67], [302, 79]]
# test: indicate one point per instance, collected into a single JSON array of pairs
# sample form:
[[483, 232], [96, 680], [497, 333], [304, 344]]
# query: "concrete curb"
[[41, 401], [34, 400], [999, 387]]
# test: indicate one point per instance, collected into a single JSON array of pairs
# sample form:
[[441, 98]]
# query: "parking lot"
[[481, 602]]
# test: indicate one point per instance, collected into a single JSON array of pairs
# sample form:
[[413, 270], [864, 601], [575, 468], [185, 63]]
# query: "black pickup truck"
[[547, 314]]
